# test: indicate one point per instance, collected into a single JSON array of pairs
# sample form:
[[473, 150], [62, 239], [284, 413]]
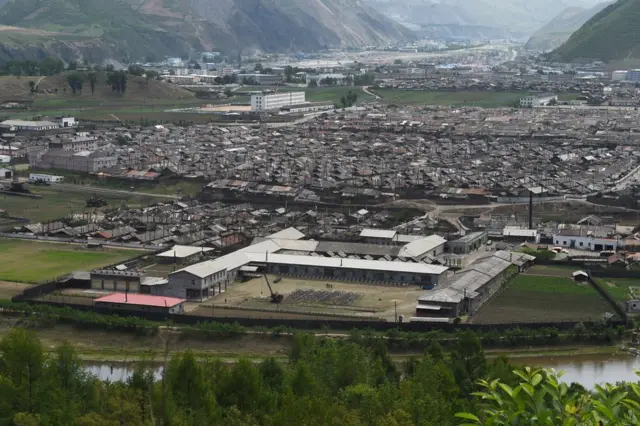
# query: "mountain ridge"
[[132, 29], [610, 35]]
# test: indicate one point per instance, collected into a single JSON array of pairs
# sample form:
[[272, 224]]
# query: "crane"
[[275, 297]]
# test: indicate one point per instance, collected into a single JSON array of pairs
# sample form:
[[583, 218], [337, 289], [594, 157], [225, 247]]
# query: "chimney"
[[530, 209]]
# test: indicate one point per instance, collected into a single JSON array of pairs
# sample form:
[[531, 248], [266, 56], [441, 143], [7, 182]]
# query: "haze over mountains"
[[560, 28], [139, 28], [477, 18]]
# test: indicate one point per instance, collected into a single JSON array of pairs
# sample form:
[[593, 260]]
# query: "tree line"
[[322, 381]]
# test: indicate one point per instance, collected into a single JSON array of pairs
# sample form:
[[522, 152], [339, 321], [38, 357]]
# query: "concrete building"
[[619, 75], [520, 235], [633, 75], [26, 126], [275, 101], [114, 280], [534, 101], [41, 177], [261, 79], [433, 245], [466, 291], [468, 243], [578, 241], [142, 303], [82, 161], [6, 173], [78, 143]]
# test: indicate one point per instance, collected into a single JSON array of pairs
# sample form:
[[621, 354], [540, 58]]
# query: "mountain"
[[560, 28], [134, 29], [612, 34], [482, 18]]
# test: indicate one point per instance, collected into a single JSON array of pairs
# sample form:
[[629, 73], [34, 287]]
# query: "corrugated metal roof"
[[287, 234], [377, 233], [179, 251], [422, 246], [140, 300]]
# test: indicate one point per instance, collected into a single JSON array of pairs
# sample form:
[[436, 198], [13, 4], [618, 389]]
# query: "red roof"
[[141, 300]]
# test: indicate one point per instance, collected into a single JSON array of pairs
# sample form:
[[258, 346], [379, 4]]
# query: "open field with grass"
[[552, 270], [10, 289], [56, 203], [371, 302], [531, 298], [35, 261], [619, 287]]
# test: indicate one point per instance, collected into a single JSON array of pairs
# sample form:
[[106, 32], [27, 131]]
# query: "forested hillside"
[[611, 35], [323, 382]]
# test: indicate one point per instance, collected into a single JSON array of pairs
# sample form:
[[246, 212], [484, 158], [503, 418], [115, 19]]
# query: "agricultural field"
[[619, 287], [56, 203], [536, 298], [35, 261], [313, 296]]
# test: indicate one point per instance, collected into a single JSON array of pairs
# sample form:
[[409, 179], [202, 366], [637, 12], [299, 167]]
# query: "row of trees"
[[48, 66]]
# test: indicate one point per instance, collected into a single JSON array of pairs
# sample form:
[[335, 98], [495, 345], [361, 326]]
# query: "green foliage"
[[324, 382], [48, 66], [540, 254], [349, 99], [540, 398], [610, 35], [118, 81]]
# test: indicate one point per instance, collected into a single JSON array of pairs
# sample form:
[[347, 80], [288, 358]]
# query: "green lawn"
[[34, 261], [619, 287], [462, 98], [57, 203]]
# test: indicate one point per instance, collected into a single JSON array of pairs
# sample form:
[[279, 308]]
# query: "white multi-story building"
[[262, 102], [633, 75], [619, 75], [533, 101]]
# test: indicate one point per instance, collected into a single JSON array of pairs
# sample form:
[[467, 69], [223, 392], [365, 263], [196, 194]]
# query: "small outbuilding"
[[182, 254], [141, 303]]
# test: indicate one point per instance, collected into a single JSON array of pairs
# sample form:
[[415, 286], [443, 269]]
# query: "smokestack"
[[530, 209]]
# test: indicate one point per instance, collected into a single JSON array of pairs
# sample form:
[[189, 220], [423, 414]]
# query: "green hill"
[[611, 35]]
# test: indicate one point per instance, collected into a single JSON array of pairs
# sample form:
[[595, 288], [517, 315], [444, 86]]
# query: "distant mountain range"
[[135, 29], [476, 18], [611, 35], [560, 28]]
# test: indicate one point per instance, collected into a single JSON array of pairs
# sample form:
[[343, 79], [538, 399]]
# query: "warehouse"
[[182, 254], [359, 270], [468, 243], [466, 291]]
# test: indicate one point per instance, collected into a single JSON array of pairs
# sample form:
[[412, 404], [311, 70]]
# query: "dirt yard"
[[350, 299]]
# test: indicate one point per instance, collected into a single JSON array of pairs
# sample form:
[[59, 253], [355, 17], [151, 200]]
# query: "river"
[[588, 370]]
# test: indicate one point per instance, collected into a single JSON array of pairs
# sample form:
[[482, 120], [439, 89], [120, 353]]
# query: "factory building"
[[466, 291], [276, 101], [468, 243], [286, 253], [576, 240], [261, 79], [141, 302], [633, 75]]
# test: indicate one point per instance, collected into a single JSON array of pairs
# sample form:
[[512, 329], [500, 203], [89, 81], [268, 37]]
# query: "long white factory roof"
[[183, 251], [334, 262], [377, 233], [424, 245], [287, 234]]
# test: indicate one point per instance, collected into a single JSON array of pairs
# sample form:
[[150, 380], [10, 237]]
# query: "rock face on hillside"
[[612, 34], [560, 28], [134, 29]]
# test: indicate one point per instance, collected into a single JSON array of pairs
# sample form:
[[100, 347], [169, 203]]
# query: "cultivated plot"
[[532, 298]]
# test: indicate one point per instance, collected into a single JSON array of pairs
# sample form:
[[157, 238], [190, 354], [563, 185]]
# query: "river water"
[[588, 370]]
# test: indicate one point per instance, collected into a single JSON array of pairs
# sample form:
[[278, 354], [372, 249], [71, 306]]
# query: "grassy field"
[[619, 287], [35, 261], [461, 98], [532, 298], [57, 203], [373, 301]]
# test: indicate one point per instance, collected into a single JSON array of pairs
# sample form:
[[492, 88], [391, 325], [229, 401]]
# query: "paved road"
[[365, 89]]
